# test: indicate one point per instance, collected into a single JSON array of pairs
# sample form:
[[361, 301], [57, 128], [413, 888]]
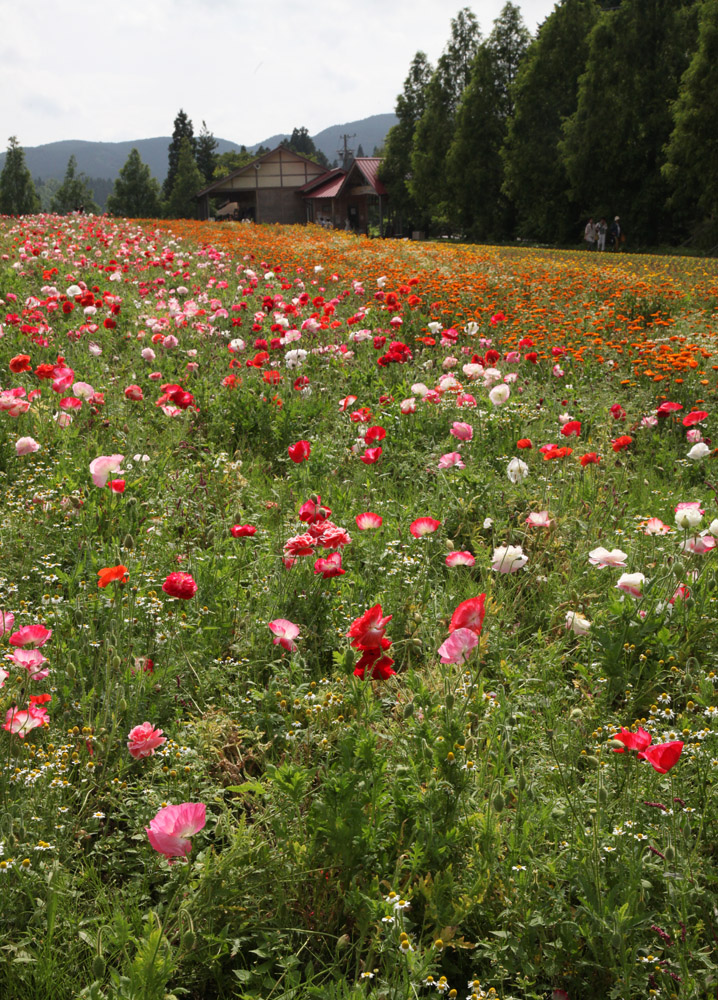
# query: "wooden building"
[[284, 187]]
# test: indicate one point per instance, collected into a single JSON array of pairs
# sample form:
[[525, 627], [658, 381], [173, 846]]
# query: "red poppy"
[[180, 585], [665, 408], [632, 741], [242, 530], [571, 427], [532, 356], [469, 614], [374, 434], [111, 573], [663, 756], [617, 412], [329, 567], [378, 662], [694, 417], [370, 456], [524, 443], [300, 451], [367, 631], [590, 458], [20, 363], [117, 485], [622, 442]]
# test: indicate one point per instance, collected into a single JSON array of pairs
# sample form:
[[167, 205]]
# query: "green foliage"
[[206, 153], [545, 94], [17, 191], [301, 142], [183, 130], [692, 150], [182, 201], [136, 194], [613, 145], [74, 194]]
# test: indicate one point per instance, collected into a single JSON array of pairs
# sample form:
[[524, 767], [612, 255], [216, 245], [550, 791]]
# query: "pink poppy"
[[102, 466], [462, 431], [30, 635], [458, 646], [655, 526], [20, 720], [368, 521], [181, 585], [171, 828], [134, 392], [371, 455], [32, 660], [452, 460], [469, 614], [7, 621], [423, 526], [602, 558], [285, 632], [662, 756], [142, 741], [698, 545], [460, 559], [26, 446], [631, 583], [539, 519]]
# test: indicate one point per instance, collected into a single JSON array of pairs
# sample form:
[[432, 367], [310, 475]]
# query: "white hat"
[[616, 219]]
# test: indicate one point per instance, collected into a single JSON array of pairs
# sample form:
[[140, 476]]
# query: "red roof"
[[327, 190], [369, 166]]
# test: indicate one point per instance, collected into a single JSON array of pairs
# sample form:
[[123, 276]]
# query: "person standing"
[[614, 234], [601, 230], [589, 234]]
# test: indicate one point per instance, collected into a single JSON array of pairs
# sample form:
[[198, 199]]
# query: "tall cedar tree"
[[435, 129], [182, 130], [545, 94], [182, 202], [206, 153], [691, 169], [74, 194], [613, 145], [474, 165], [395, 169], [136, 194], [17, 191]]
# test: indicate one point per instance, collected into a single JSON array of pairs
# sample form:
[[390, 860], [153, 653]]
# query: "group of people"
[[596, 233]]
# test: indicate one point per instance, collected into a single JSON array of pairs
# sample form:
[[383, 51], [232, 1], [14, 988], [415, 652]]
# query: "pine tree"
[[182, 202], [17, 191], [360, 151], [136, 194], [474, 165], [182, 130], [395, 169], [545, 94], [206, 153], [691, 169], [74, 194], [302, 143], [613, 145]]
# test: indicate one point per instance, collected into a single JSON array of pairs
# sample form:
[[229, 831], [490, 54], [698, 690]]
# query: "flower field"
[[357, 617]]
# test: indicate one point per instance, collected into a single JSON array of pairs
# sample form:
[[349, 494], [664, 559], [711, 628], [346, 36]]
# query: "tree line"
[[612, 109], [192, 164]]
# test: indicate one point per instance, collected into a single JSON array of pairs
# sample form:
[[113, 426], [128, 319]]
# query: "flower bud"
[[499, 802], [98, 967]]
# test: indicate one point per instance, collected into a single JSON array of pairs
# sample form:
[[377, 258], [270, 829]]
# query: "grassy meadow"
[[357, 617]]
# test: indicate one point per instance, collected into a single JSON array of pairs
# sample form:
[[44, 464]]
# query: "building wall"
[[280, 205]]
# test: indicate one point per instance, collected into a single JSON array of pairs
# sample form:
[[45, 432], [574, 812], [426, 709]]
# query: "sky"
[[121, 71]]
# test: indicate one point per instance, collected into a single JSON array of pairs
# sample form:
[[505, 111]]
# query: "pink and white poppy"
[[142, 741], [285, 632], [577, 623], [602, 557], [30, 635], [698, 545], [368, 521], [462, 431], [451, 460], [423, 526], [460, 559], [21, 721], [631, 583], [508, 559], [655, 526], [31, 660], [26, 446], [102, 466], [689, 514], [539, 519], [7, 622]]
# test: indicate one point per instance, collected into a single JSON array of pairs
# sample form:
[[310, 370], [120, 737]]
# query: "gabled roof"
[[320, 181], [369, 166], [328, 189], [219, 184]]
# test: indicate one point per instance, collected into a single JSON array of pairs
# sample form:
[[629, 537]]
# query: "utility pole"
[[345, 153]]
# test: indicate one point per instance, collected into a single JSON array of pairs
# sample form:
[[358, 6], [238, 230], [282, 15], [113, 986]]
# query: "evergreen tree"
[[474, 165], [206, 153], [302, 143], [435, 129], [360, 151], [691, 169], [17, 191], [395, 169], [182, 202], [232, 160], [545, 94], [182, 130], [74, 194], [136, 194], [613, 145]]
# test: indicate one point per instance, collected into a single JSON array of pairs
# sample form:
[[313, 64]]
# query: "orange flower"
[[110, 573]]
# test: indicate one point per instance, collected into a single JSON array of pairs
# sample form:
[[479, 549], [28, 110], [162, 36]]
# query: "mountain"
[[105, 159]]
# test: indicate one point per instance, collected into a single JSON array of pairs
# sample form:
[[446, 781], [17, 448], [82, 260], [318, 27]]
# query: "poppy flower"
[[26, 446], [117, 485], [469, 614], [452, 460], [694, 417], [285, 632], [31, 660], [329, 567], [458, 646], [374, 434], [423, 526], [111, 573], [367, 521], [242, 531], [631, 583], [666, 408], [180, 585], [171, 828], [662, 756], [524, 443], [378, 662], [20, 363], [632, 741], [30, 635], [602, 557], [21, 721], [539, 519], [590, 458], [142, 741], [300, 451], [371, 456], [367, 631], [508, 559], [571, 427], [621, 443], [462, 431], [460, 559]]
